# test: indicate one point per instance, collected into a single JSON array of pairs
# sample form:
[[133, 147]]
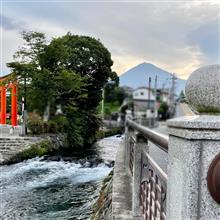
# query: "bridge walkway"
[[121, 199]]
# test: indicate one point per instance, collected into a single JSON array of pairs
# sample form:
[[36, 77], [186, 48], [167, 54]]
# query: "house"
[[143, 99]]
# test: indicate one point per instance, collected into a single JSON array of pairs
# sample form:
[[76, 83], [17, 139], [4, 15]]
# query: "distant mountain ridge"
[[139, 75]]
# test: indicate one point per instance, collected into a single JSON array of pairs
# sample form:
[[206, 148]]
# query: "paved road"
[[182, 109], [157, 154]]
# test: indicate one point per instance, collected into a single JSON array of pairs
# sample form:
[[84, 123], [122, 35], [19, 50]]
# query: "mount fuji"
[[139, 76]]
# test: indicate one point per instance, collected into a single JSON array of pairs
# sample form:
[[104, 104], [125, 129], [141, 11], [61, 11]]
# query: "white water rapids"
[[42, 190]]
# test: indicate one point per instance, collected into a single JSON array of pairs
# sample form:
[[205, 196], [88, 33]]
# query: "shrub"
[[111, 132], [52, 127], [36, 126], [40, 149], [62, 123], [163, 110], [46, 127]]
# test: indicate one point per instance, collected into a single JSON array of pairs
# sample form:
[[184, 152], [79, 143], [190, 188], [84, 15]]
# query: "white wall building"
[[144, 101]]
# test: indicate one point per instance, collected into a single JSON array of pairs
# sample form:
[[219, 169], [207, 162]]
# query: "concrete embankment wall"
[[115, 199], [12, 148]]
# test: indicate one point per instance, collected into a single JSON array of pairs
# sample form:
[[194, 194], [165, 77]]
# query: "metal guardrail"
[[153, 184], [153, 190], [160, 140], [131, 154]]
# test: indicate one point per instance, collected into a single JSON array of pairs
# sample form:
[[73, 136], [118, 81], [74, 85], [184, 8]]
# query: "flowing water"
[[40, 190]]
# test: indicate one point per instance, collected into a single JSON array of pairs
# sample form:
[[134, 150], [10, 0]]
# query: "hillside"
[[139, 75]]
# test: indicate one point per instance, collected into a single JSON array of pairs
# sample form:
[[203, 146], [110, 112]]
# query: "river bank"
[[17, 149], [14, 149], [42, 189], [102, 208]]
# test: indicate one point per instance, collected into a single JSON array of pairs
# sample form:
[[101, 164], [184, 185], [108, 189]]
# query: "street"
[[182, 109]]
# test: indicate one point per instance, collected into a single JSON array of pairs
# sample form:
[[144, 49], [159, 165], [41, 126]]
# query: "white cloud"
[[133, 32], [10, 41]]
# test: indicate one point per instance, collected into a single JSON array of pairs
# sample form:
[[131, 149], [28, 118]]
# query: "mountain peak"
[[145, 64], [138, 76]]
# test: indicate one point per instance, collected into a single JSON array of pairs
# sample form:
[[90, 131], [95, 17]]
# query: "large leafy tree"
[[88, 58], [69, 72], [85, 56]]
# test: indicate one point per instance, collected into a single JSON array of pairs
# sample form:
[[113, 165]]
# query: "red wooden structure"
[[5, 84]]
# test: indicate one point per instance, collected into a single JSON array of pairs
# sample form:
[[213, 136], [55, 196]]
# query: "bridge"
[[190, 187]]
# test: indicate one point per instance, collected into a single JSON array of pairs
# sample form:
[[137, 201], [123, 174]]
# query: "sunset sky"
[[178, 36]]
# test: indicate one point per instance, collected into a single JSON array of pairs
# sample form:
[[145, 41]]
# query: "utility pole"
[[155, 92], [172, 94], [103, 104], [149, 88]]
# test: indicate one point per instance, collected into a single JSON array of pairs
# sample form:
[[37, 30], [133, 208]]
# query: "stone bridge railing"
[[191, 188]]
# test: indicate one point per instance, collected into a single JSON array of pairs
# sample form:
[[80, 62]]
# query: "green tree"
[[113, 93], [70, 94], [163, 110], [85, 56], [88, 58], [68, 72], [26, 64]]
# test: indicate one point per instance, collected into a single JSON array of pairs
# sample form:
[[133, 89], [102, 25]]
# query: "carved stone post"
[[126, 144], [194, 142]]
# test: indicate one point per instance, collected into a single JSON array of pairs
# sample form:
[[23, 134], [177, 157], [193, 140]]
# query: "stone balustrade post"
[[140, 145], [128, 133], [194, 147]]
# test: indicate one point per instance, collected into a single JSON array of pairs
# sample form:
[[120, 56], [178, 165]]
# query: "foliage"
[[26, 65], [109, 108], [85, 56], [68, 72], [52, 127], [62, 123], [163, 110], [39, 149], [36, 126], [114, 94], [110, 132], [103, 203]]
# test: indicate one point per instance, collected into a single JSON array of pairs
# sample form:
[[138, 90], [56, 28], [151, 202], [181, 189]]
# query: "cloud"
[[9, 23], [174, 36], [206, 37]]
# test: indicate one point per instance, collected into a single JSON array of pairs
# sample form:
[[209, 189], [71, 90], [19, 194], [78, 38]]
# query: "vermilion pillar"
[[14, 105], [3, 105]]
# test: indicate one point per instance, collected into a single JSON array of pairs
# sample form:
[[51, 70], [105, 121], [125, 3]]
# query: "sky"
[[177, 36]]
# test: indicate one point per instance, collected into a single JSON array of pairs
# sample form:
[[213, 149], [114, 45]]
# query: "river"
[[41, 190]]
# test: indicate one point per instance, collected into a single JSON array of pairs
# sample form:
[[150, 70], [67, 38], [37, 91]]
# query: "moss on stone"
[[207, 109], [38, 149]]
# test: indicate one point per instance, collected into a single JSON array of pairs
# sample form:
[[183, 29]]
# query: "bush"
[[111, 132], [36, 126], [40, 149], [163, 110], [62, 123], [46, 127], [52, 127]]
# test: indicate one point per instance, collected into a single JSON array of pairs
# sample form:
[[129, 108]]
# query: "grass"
[[39, 149], [109, 108]]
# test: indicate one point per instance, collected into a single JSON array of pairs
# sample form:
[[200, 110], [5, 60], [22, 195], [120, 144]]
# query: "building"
[[144, 99]]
